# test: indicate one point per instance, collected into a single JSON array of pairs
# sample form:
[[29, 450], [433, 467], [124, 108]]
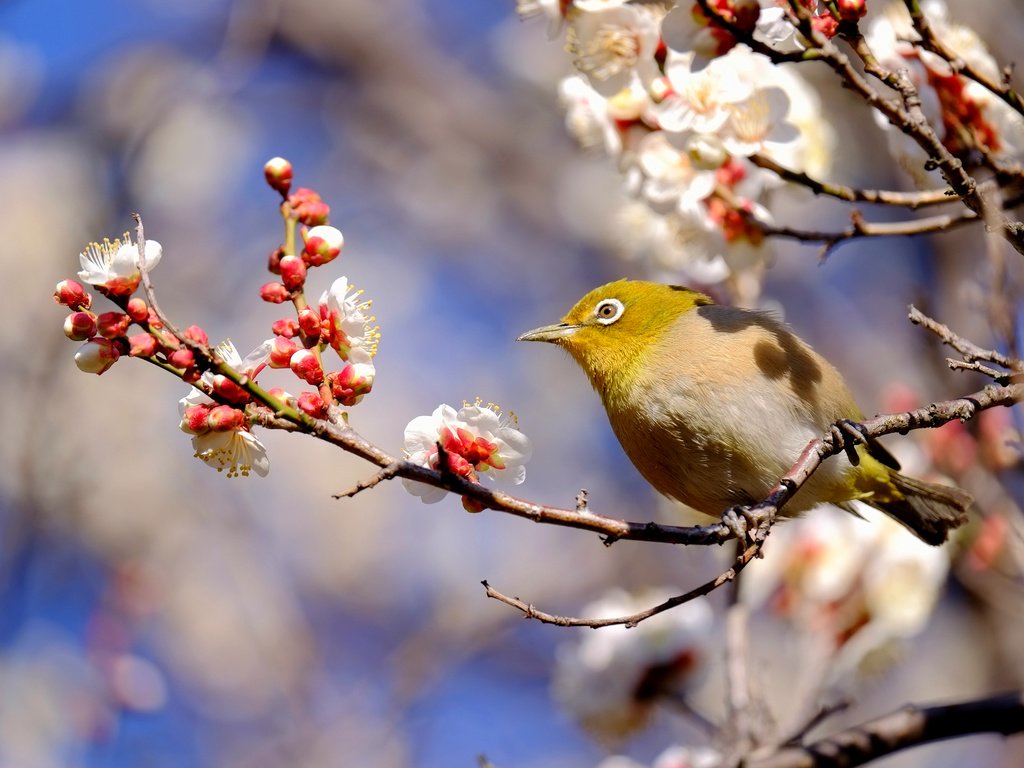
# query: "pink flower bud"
[[745, 13], [196, 335], [79, 326], [278, 392], [351, 383], [293, 273], [308, 208], [826, 24], [154, 321], [278, 173], [305, 365], [312, 404], [191, 375], [113, 325], [194, 419], [120, 287], [275, 293], [274, 262], [72, 295], [137, 310], [286, 326], [230, 391], [852, 10], [309, 324], [182, 358], [281, 352], [224, 418], [96, 355], [142, 345], [323, 244]]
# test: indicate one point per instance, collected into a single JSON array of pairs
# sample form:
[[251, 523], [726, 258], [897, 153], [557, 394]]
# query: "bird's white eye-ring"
[[608, 311]]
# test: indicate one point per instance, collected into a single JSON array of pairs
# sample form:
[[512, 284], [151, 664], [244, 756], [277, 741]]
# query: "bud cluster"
[[219, 412]]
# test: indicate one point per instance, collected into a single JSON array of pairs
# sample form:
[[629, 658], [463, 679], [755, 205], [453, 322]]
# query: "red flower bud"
[[182, 358], [97, 355], [230, 391], [72, 295], [281, 352], [323, 244], [194, 418], [278, 173], [79, 326], [274, 262], [305, 365], [196, 335], [312, 404], [293, 273], [224, 418], [274, 293], [826, 24], [142, 345], [852, 10], [286, 326], [137, 310], [113, 325], [309, 323], [308, 208]]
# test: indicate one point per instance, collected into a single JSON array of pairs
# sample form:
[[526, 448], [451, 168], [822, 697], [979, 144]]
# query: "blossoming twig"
[[958, 64]]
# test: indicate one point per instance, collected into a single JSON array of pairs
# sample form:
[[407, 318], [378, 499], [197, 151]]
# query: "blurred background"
[[153, 612]]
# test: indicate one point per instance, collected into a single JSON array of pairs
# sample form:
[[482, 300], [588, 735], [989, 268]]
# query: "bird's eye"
[[608, 311]]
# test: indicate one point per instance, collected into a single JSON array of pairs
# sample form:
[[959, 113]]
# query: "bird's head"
[[610, 329]]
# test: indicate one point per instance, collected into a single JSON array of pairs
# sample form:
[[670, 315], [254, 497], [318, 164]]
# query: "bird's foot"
[[848, 434], [740, 522]]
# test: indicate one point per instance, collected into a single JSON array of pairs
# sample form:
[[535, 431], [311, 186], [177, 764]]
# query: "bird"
[[713, 404]]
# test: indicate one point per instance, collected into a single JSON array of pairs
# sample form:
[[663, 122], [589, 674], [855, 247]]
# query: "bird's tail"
[[928, 510]]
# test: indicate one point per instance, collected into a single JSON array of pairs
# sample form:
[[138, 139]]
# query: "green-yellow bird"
[[713, 405]]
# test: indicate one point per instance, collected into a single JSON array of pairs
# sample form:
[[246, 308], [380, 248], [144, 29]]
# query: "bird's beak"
[[553, 333]]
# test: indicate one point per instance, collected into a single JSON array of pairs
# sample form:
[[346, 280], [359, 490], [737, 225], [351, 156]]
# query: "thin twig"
[[529, 612], [912, 200], [970, 351], [387, 473]]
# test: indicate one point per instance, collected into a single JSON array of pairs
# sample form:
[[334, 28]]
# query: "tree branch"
[[908, 727]]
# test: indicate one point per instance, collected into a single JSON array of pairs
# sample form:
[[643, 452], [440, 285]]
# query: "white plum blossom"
[[862, 584], [234, 451], [478, 438], [966, 114], [552, 10], [615, 43], [115, 264], [759, 121], [347, 318], [700, 101], [610, 679], [670, 176]]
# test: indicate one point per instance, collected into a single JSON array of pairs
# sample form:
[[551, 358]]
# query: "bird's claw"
[[848, 434], [739, 521]]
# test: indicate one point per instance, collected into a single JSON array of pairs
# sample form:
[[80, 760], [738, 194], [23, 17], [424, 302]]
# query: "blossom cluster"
[[862, 586], [694, 119], [478, 438], [682, 110], [220, 412]]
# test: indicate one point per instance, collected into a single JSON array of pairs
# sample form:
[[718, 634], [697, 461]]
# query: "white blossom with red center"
[[610, 679], [114, 265], [478, 438], [236, 450], [347, 319]]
